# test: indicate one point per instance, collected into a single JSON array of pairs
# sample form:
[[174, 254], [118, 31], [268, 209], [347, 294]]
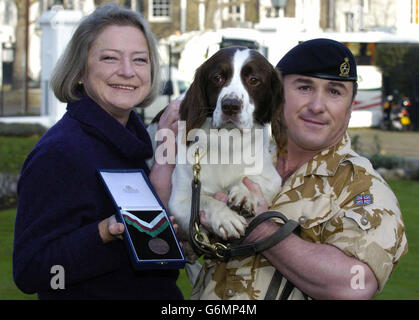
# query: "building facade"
[[174, 17], [167, 17]]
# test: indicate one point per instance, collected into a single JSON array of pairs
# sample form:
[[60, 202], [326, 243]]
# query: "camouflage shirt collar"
[[327, 162]]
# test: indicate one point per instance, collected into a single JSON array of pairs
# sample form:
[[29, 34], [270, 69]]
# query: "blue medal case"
[[148, 233]]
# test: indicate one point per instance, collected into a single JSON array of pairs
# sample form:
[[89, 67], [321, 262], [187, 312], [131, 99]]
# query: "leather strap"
[[226, 252], [249, 249], [274, 286], [289, 286], [240, 250], [196, 191]]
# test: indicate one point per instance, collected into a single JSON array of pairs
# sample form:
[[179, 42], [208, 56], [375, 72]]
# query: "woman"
[[65, 217]]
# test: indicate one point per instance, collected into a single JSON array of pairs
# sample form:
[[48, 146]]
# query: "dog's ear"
[[279, 129], [194, 106]]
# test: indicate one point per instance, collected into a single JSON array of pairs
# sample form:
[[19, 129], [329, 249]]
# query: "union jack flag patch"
[[363, 199]]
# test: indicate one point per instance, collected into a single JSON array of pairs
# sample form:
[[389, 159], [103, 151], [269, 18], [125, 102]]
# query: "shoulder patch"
[[363, 200]]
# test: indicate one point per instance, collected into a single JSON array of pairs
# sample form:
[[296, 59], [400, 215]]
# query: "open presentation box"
[[148, 234]]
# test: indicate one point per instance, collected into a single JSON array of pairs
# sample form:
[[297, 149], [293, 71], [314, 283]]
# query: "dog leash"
[[197, 237], [202, 245]]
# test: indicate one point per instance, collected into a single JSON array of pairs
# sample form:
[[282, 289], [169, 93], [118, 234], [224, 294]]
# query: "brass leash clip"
[[202, 238], [196, 167]]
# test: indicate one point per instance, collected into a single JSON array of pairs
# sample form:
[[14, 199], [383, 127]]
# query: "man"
[[351, 231]]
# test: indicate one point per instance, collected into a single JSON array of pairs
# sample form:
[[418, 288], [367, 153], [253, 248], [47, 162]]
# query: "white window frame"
[[238, 17], [349, 21], [152, 18]]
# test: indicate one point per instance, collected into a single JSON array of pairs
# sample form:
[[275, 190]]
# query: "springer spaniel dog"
[[236, 94]]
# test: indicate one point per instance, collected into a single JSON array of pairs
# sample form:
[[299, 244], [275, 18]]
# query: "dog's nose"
[[231, 106]]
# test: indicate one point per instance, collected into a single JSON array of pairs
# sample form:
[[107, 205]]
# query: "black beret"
[[320, 58]]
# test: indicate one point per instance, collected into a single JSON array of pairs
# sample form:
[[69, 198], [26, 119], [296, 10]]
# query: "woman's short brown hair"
[[73, 63]]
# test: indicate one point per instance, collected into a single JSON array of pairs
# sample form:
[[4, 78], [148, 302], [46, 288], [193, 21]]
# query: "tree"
[[20, 48], [399, 64]]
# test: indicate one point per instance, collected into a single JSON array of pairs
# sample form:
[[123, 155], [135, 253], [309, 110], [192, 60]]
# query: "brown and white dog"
[[235, 91]]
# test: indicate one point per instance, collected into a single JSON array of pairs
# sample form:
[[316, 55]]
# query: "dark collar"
[[132, 141]]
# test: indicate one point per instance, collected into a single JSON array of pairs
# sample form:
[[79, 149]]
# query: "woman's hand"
[[161, 173], [262, 206], [175, 226], [254, 188], [170, 117], [110, 229]]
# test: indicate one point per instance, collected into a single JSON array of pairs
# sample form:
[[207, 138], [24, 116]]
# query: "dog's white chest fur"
[[223, 166]]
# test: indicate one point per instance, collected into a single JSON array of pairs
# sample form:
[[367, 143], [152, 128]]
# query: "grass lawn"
[[403, 284], [8, 289]]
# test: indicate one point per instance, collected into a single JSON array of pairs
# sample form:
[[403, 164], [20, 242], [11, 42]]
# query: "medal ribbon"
[[153, 228]]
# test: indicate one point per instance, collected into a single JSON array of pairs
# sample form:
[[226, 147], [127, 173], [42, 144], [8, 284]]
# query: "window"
[[349, 21], [159, 10], [272, 12], [233, 12]]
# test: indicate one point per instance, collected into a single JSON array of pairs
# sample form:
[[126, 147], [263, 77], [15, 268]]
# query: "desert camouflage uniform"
[[322, 196]]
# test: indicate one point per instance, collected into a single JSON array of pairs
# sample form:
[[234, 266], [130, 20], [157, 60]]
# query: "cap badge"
[[345, 68]]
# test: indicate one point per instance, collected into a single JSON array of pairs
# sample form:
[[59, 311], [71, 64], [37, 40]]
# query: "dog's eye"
[[253, 81], [218, 79]]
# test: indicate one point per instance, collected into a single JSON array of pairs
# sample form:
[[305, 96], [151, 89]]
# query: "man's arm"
[[320, 270]]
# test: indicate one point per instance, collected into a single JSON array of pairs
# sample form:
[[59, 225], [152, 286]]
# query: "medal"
[[158, 246], [153, 229]]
